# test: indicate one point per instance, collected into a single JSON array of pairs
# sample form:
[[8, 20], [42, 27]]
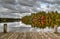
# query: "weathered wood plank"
[[1, 34], [55, 35], [13, 36], [6, 35], [22, 35], [29, 35]]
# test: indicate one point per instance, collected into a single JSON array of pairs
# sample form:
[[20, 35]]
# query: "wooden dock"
[[29, 35]]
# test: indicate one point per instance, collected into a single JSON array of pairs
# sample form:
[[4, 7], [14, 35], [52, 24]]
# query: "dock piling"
[[5, 28]]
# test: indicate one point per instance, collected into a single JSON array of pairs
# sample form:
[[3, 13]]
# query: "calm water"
[[20, 27]]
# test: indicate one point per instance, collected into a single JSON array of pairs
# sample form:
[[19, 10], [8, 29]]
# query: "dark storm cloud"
[[8, 1], [28, 6], [30, 3], [9, 6], [19, 5]]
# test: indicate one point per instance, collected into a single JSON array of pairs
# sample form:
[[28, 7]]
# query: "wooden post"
[[5, 28], [55, 29]]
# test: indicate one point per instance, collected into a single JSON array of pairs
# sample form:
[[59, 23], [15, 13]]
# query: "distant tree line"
[[9, 20]]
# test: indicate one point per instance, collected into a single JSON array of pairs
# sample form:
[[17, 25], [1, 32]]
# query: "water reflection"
[[15, 26], [20, 27]]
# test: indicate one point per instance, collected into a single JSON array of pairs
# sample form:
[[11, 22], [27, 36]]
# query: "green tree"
[[43, 19]]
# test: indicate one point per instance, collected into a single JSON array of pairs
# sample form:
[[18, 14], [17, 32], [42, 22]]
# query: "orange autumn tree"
[[42, 19]]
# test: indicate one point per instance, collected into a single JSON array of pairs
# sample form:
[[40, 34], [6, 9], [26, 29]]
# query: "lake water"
[[20, 27]]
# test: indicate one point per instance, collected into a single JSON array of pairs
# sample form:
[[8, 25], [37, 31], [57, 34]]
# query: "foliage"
[[42, 19]]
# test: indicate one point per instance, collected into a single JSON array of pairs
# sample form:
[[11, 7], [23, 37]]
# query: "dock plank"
[[29, 35]]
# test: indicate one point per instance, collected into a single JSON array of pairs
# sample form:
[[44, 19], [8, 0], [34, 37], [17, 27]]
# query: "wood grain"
[[29, 35]]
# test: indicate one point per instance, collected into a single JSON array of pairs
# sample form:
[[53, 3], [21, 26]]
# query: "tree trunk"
[[5, 28], [55, 29]]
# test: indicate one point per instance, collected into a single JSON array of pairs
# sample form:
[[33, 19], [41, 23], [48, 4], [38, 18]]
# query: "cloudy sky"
[[19, 8]]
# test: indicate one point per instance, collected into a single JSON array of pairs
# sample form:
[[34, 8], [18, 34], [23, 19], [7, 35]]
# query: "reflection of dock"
[[29, 35]]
